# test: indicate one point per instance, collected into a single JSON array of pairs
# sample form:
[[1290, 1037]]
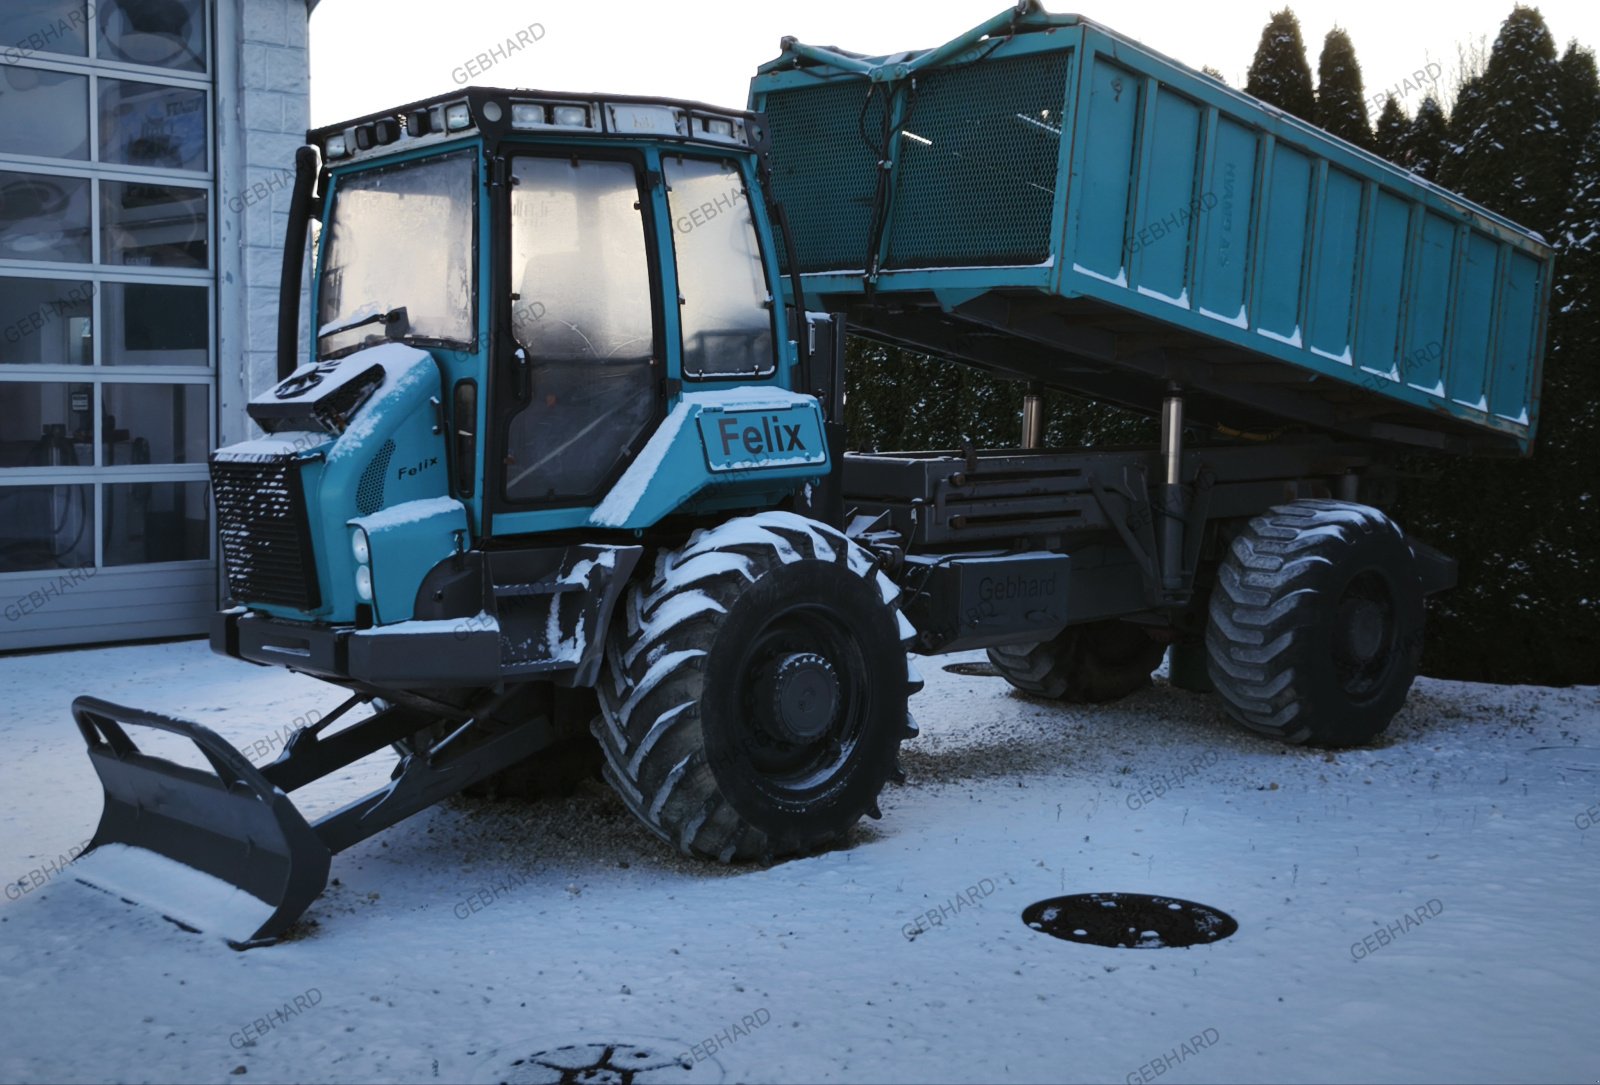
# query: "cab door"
[[580, 388]]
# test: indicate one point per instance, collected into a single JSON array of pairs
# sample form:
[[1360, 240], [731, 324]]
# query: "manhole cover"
[[612, 1064], [1129, 920], [974, 670]]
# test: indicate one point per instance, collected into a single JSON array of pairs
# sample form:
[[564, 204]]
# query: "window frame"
[[100, 477], [762, 256], [330, 206]]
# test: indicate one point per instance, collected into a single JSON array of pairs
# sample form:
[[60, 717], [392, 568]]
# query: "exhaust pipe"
[[307, 163]]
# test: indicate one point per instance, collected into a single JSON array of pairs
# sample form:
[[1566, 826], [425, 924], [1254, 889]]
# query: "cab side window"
[[725, 302]]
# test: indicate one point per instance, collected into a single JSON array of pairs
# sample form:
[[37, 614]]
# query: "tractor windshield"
[[397, 256]]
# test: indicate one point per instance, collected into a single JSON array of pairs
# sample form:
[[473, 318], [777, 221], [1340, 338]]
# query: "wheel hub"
[[798, 694], [1364, 629], [1364, 637]]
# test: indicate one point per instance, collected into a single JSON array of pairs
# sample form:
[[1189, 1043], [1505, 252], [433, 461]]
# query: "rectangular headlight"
[[335, 147], [637, 119], [527, 115], [574, 116], [457, 117]]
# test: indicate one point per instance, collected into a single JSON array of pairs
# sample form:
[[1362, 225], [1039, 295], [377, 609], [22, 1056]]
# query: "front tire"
[[754, 697], [1315, 629]]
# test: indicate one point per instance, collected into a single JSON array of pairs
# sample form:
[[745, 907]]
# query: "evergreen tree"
[[897, 400], [1569, 426], [1341, 106], [1580, 104], [1527, 607], [1391, 131], [1422, 146], [1279, 73], [1213, 73], [1510, 147]]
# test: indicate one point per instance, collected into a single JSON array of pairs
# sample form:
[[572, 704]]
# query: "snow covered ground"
[[419, 968]]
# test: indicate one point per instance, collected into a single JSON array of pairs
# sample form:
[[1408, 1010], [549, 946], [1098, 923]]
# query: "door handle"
[[523, 379]]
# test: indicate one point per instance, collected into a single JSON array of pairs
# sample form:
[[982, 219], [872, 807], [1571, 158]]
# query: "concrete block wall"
[[263, 113]]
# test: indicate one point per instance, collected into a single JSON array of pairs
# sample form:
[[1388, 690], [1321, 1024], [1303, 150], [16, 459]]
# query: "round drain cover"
[[1129, 920], [974, 670], [612, 1064]]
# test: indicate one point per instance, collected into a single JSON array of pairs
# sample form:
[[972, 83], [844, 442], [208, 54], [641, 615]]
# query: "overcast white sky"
[[368, 55]]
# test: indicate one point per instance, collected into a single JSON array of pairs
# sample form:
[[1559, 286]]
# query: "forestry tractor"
[[564, 470]]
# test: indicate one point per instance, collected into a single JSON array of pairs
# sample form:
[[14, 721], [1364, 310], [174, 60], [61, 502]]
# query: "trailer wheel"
[[1083, 664], [754, 695], [1315, 629]]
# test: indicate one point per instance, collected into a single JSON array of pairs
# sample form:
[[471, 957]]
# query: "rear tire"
[[1315, 627], [754, 695], [555, 771], [1083, 664]]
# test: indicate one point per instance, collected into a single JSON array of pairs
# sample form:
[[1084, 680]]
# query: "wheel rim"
[[1364, 634], [803, 694]]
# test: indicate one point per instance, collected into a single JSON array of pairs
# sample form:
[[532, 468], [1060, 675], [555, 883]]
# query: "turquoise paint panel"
[[1224, 248], [1278, 279], [1159, 245], [692, 451], [1383, 279], [1102, 191], [1428, 315], [1474, 322], [540, 520], [1333, 271], [1514, 340], [406, 541]]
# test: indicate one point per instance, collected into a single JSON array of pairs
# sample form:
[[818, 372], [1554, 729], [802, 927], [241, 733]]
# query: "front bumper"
[[409, 655], [540, 614]]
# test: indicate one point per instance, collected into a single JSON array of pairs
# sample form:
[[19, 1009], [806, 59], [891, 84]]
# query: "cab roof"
[[498, 112]]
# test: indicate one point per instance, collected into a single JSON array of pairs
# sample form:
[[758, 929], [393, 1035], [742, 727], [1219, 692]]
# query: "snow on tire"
[[1315, 627], [754, 695]]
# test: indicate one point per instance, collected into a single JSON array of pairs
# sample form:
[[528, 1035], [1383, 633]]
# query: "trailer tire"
[[754, 695], [1291, 666], [1083, 664]]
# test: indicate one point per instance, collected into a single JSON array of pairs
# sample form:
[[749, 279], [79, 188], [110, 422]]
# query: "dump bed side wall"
[[1198, 207], [1076, 162]]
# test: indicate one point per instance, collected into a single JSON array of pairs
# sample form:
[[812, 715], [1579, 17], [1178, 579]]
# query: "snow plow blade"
[[235, 855], [232, 824]]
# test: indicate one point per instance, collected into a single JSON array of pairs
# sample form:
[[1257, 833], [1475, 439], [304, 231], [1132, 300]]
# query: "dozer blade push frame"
[[236, 822]]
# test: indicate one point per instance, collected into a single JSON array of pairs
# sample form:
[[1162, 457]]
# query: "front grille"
[[266, 540]]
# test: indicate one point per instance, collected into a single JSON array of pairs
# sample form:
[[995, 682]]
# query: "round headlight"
[[364, 582], [359, 547]]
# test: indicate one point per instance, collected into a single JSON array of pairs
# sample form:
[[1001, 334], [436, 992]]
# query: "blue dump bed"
[[1058, 203]]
